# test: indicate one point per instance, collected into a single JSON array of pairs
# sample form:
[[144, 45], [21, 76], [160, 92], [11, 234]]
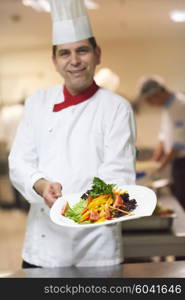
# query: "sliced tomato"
[[64, 208], [118, 201], [94, 216]]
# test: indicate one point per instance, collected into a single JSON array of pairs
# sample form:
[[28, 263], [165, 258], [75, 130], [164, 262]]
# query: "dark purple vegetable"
[[85, 195]]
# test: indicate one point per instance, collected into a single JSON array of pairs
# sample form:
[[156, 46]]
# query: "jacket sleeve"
[[119, 148], [178, 131], [23, 159], [163, 127]]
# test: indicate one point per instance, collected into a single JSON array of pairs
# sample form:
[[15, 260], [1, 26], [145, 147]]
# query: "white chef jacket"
[[93, 138], [172, 132]]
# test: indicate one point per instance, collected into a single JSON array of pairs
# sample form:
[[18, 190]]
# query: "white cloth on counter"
[[93, 138], [172, 132]]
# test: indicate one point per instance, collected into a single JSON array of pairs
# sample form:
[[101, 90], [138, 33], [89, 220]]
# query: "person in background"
[[68, 135], [171, 145]]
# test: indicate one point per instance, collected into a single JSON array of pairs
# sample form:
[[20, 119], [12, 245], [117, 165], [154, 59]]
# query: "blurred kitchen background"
[[138, 38]]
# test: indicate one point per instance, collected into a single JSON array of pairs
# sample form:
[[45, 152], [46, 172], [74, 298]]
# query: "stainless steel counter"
[[158, 243], [146, 270]]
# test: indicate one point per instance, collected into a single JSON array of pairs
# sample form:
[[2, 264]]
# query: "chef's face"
[[76, 63]]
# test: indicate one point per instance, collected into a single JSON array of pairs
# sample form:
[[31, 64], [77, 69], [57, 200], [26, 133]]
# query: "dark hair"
[[92, 41], [150, 86]]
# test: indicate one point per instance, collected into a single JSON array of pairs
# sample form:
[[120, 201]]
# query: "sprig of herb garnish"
[[99, 187]]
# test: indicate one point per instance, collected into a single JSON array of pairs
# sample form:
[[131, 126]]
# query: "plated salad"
[[103, 202]]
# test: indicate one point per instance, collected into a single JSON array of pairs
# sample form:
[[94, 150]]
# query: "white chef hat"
[[70, 21]]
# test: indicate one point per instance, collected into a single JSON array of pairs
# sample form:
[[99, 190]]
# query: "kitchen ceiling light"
[[106, 78], [39, 5], [43, 5], [177, 15], [91, 4]]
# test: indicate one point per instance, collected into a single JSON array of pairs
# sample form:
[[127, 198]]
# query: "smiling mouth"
[[77, 72]]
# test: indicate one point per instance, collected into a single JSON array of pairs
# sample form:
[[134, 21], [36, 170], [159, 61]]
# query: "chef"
[[171, 145], [69, 134]]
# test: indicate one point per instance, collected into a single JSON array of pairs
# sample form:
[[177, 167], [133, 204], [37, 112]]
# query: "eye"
[[64, 53], [83, 50]]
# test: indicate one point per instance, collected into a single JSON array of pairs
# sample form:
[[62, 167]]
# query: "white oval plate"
[[145, 197]]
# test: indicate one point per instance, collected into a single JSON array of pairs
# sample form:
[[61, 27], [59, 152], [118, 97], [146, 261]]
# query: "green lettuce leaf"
[[75, 212]]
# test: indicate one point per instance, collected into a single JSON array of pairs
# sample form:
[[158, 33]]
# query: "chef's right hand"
[[50, 191]]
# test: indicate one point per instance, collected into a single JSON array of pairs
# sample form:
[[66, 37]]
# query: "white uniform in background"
[[93, 138], [172, 132]]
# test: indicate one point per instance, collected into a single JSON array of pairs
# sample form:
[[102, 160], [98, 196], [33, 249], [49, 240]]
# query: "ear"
[[98, 55], [54, 61]]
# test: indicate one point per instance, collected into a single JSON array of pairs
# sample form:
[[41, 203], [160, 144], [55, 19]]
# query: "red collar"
[[70, 100]]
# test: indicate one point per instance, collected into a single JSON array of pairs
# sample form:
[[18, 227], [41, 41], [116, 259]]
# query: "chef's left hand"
[[50, 191]]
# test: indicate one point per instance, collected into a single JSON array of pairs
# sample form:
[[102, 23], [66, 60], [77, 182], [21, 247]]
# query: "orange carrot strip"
[[84, 211], [84, 219], [124, 211]]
